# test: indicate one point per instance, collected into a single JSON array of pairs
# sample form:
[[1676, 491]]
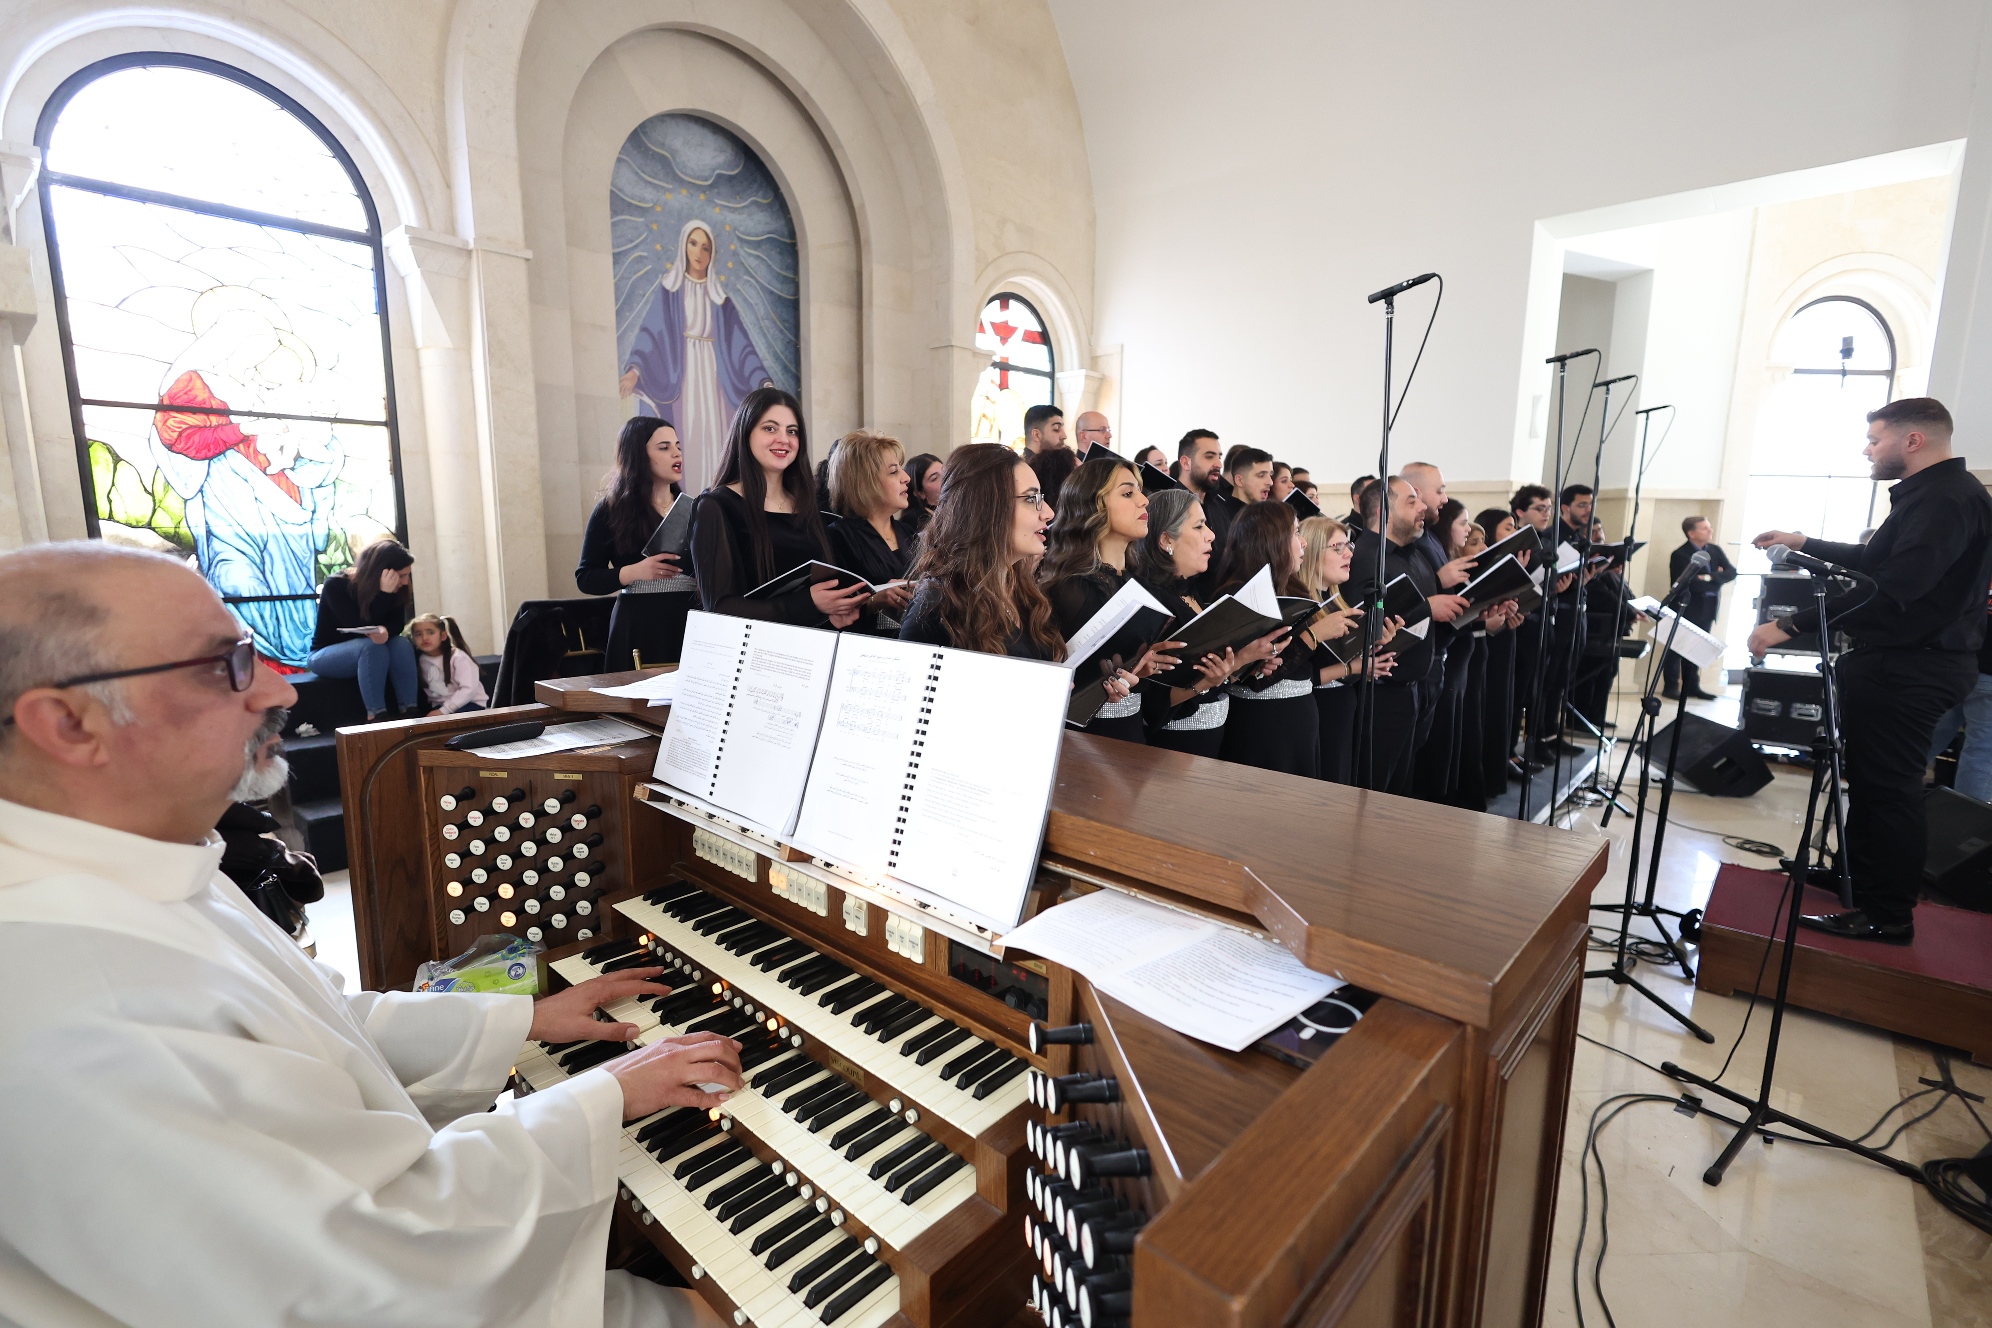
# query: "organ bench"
[[1054, 1147]]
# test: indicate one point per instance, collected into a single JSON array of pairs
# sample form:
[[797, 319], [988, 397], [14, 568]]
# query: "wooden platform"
[[1938, 989]]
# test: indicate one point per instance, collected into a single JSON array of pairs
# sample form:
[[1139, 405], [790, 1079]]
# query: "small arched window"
[[219, 291], [1021, 372]]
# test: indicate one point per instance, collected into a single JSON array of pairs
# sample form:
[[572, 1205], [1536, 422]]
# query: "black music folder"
[[1527, 539], [1233, 621], [1507, 579], [1154, 479], [674, 533], [1303, 506], [1111, 640], [1094, 452], [812, 573]]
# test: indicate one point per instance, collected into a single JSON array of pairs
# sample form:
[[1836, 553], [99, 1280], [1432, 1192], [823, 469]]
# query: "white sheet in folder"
[[1099, 629], [1199, 977]]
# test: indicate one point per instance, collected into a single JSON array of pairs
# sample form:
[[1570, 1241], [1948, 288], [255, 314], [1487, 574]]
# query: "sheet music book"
[[1094, 452], [1303, 506], [744, 722], [1154, 479], [1526, 539], [811, 573], [1403, 599], [1694, 644], [1506, 579], [1125, 626], [935, 767], [1234, 620], [1567, 558], [674, 533]]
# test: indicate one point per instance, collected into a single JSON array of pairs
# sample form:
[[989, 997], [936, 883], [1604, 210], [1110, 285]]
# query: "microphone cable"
[[1419, 357]]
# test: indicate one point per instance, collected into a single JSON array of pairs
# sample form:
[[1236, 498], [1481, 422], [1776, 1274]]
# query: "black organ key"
[[854, 995], [940, 1046], [868, 1017], [920, 1188], [673, 1128], [799, 1100], [722, 920], [819, 1271], [601, 954], [727, 1022], [966, 1059], [780, 956], [766, 1049], [803, 1070], [763, 1210], [921, 1039], [734, 1188], [923, 1159], [783, 1229], [837, 993], [855, 1296], [723, 1146], [866, 1143], [555, 1048], [766, 1186], [967, 1078], [877, 1018], [899, 1156], [863, 1125], [822, 979], [807, 968], [1002, 1076], [904, 1023], [596, 1053], [768, 1074], [830, 1115], [719, 1168], [799, 1242]]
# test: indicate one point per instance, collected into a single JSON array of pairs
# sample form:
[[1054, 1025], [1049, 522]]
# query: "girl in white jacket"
[[450, 683]]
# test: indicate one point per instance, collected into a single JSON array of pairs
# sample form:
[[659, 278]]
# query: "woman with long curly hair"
[[1273, 723], [761, 520], [977, 556]]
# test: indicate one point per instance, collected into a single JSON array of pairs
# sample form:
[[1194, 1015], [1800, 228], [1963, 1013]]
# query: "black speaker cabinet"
[[1785, 707], [1785, 593], [1959, 860], [1715, 759]]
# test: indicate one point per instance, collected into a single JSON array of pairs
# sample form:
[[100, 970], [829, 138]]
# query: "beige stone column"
[[22, 519]]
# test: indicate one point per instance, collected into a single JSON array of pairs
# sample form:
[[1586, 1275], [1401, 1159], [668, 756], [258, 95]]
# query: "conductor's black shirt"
[[1930, 562]]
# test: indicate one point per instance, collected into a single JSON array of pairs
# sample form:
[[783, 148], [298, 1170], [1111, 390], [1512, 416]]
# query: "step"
[[326, 703], [322, 825], [314, 767]]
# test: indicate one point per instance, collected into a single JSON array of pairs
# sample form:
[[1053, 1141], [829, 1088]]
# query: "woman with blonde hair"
[[868, 531], [1326, 553]]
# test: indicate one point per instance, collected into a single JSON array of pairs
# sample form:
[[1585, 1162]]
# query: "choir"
[[994, 550]]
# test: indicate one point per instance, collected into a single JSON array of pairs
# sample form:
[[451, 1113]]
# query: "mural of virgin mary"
[[692, 361]]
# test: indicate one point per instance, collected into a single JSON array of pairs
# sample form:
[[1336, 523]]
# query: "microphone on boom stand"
[[1783, 556], [1392, 292]]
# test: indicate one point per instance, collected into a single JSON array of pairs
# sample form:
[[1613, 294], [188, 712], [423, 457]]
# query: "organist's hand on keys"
[[669, 1072], [569, 1015]]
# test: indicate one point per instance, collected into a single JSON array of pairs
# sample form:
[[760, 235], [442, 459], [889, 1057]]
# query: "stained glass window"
[[1019, 374], [218, 265]]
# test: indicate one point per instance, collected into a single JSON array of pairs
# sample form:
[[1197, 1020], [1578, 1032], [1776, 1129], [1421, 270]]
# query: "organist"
[[196, 1124]]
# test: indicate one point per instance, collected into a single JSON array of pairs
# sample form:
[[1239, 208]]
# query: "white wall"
[[1255, 177]]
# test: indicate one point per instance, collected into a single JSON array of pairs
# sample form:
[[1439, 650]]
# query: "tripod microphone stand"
[[1549, 608], [1591, 793], [1826, 775], [1620, 969]]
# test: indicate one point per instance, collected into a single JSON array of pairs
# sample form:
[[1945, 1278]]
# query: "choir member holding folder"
[[761, 521], [1273, 724], [1172, 559], [975, 565], [1102, 512], [638, 538], [869, 535], [1326, 555]]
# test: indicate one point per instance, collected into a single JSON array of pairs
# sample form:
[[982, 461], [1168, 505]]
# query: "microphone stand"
[[1632, 527], [1620, 969], [1373, 612], [1591, 793], [1827, 761], [1549, 606]]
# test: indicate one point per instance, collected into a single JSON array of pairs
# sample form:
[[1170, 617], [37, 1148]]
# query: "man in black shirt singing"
[[1916, 631]]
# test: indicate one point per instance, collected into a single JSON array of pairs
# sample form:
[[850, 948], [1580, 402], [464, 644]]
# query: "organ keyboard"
[[934, 1134]]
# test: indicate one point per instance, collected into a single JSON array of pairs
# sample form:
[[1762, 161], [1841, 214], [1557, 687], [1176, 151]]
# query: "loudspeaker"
[[1715, 759], [1959, 860]]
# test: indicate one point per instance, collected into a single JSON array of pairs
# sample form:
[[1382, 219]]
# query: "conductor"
[[1916, 629], [290, 1153]]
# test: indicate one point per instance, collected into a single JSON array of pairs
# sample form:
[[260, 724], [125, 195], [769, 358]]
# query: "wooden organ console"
[[936, 1135]]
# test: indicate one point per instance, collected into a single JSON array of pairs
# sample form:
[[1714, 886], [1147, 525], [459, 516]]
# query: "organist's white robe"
[[198, 1127]]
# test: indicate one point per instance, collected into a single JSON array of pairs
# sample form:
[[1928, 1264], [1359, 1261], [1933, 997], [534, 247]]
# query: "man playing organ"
[[198, 1125]]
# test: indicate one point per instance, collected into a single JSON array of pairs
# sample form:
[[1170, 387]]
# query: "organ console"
[[935, 1133]]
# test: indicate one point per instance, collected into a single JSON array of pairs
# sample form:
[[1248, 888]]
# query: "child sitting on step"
[[450, 684]]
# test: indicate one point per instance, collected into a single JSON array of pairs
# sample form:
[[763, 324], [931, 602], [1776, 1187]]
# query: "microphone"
[[1569, 355], [1614, 382], [1784, 556], [1697, 564], [1648, 410], [1392, 292]]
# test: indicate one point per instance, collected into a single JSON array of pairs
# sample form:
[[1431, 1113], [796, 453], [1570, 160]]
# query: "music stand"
[[1620, 969], [1827, 761]]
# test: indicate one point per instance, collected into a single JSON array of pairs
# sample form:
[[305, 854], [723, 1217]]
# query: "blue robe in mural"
[[669, 373]]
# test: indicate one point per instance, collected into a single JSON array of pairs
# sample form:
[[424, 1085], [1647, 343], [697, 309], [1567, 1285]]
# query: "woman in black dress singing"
[[974, 568], [649, 473], [1273, 722], [761, 520], [923, 494], [869, 534], [1102, 512], [1324, 569], [1170, 559]]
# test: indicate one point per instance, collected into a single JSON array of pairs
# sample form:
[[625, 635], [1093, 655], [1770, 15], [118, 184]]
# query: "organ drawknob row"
[[1070, 1035], [1055, 1094]]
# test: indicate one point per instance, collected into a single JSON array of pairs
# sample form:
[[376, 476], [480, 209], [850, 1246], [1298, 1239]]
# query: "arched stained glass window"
[[1020, 372], [218, 276]]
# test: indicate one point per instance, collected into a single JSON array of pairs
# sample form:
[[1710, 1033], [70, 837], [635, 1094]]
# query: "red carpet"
[[1938, 989]]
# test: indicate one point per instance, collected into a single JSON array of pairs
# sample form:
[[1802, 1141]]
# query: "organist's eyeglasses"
[[240, 659]]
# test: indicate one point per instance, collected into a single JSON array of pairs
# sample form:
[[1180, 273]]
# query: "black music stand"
[[1620, 969], [1827, 760]]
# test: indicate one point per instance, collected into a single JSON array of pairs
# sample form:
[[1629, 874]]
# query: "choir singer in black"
[[1704, 599], [1916, 628]]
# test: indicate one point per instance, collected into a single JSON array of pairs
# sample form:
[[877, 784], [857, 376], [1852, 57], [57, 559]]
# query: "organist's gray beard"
[[263, 772]]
